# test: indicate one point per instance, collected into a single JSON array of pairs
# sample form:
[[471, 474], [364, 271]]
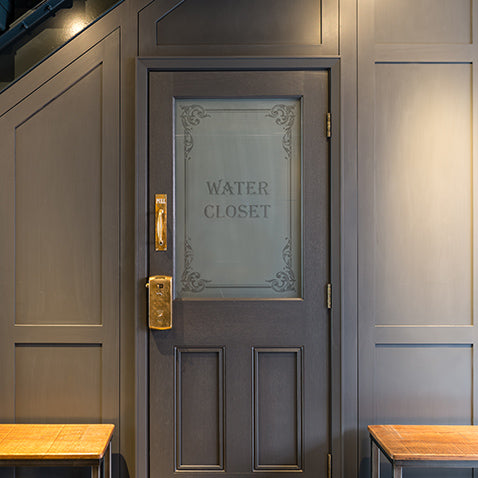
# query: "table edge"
[[407, 460], [45, 457]]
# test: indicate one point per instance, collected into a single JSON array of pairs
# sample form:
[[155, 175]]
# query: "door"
[[241, 382]]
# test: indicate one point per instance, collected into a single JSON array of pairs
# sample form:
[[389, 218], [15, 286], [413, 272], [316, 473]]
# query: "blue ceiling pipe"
[[5, 7], [29, 20]]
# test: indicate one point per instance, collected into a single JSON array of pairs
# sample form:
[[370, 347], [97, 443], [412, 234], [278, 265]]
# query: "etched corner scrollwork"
[[191, 115], [285, 279], [191, 280], [284, 115]]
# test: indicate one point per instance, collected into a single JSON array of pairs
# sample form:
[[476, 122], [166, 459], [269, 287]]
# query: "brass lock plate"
[[160, 302]]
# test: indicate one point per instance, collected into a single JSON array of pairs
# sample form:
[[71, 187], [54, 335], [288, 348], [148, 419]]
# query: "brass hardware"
[[329, 296], [160, 221], [160, 302], [329, 465], [329, 125]]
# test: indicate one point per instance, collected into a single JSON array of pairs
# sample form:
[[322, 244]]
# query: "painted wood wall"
[[416, 188], [66, 250], [408, 89]]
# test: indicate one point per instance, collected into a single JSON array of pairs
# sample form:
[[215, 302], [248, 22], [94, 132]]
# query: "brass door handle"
[[159, 227], [160, 302], [161, 216]]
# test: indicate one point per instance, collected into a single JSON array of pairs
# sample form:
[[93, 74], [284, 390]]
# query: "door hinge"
[[329, 296], [329, 125], [329, 465]]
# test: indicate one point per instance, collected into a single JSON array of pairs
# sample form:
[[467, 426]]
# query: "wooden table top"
[[54, 442], [427, 442]]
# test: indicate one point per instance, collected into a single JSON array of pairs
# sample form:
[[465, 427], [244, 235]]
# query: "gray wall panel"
[[423, 194], [65, 381], [423, 384], [58, 220], [423, 21], [222, 22], [239, 27]]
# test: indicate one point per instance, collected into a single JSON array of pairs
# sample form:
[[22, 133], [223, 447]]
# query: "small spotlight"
[[75, 26]]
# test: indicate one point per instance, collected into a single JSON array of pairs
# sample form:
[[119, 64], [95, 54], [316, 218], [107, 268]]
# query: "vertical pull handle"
[[161, 234], [159, 227]]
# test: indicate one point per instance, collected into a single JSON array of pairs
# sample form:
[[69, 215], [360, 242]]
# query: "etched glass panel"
[[238, 198]]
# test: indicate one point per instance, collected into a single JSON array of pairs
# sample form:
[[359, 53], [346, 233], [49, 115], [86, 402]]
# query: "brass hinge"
[[329, 465], [329, 125], [329, 296]]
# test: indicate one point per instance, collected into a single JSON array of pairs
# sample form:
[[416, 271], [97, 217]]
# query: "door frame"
[[143, 67]]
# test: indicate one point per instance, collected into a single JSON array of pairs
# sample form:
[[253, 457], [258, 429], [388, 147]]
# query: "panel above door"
[[239, 27]]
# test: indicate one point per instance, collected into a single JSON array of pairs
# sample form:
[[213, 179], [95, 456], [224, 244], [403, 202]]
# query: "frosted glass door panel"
[[238, 198]]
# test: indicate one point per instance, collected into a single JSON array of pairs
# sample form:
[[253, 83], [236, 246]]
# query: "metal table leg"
[[396, 471], [95, 471], [107, 462], [375, 460]]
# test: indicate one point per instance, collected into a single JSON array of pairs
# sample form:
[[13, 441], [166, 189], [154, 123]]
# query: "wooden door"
[[241, 383]]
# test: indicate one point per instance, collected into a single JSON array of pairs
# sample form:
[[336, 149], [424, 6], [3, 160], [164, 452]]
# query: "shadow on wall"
[[120, 470], [386, 470]]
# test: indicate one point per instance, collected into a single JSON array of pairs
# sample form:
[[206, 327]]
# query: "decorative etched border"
[[191, 280], [191, 115]]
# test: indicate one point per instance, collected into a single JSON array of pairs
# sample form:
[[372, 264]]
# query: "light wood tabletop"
[[427, 442], [424, 446], [58, 445], [54, 442]]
